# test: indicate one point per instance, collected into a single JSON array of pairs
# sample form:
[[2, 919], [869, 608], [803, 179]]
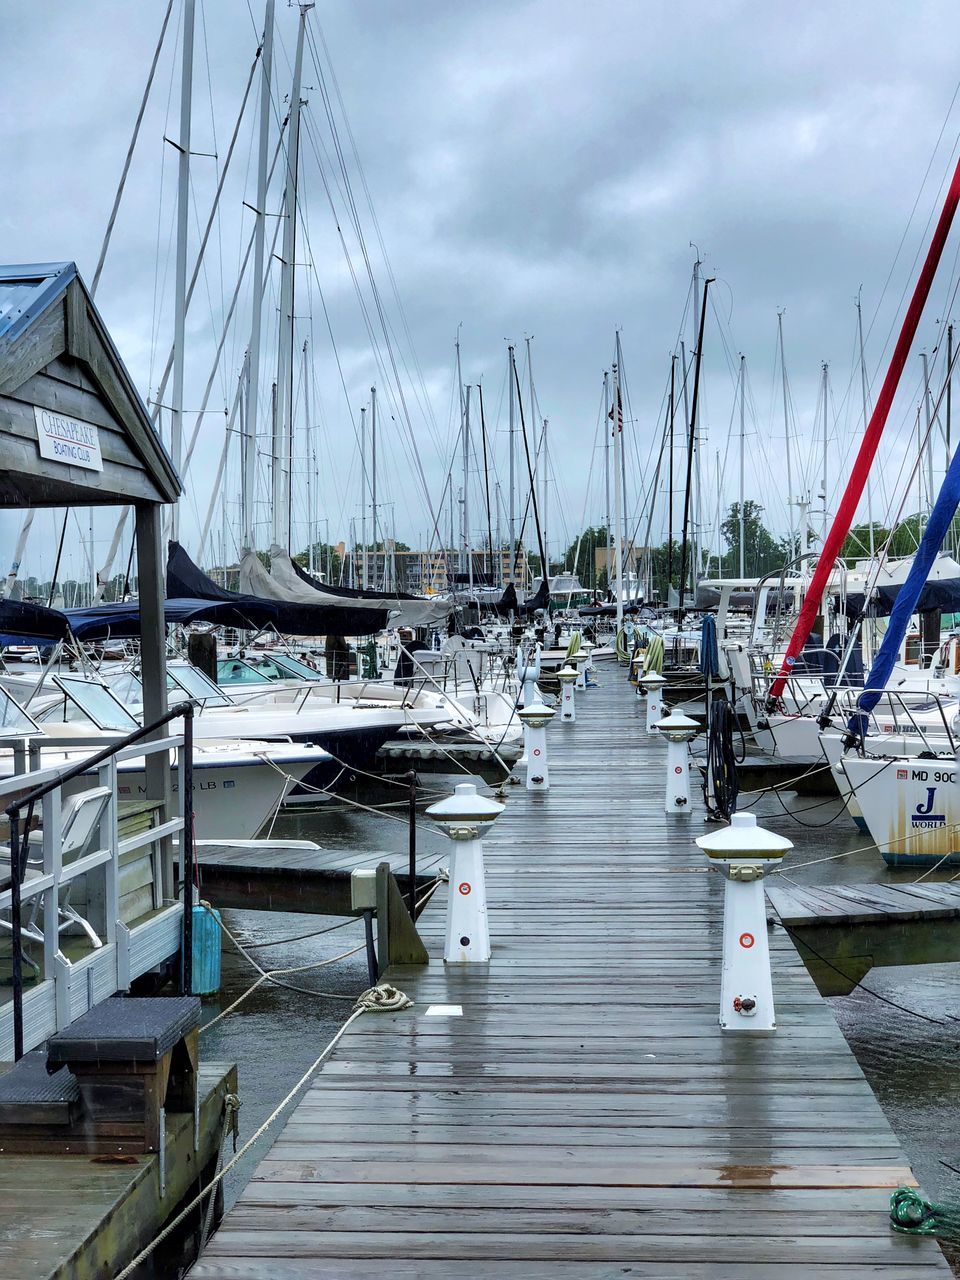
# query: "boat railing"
[[78, 842], [803, 691], [925, 718]]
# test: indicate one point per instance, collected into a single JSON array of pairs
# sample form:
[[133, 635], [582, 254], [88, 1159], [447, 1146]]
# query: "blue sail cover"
[[25, 623], [941, 516]]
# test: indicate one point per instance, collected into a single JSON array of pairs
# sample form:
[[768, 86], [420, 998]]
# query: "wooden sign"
[[68, 440]]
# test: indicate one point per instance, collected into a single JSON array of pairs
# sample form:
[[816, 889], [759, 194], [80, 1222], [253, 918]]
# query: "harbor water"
[[903, 1024]]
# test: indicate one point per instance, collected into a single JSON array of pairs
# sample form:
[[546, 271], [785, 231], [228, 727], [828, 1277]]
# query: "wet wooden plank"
[[584, 1116]]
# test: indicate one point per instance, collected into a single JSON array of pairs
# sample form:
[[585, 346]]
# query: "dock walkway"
[[584, 1116]]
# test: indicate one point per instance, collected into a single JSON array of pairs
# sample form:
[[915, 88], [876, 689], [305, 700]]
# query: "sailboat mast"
[[486, 487], [627, 540], [180, 276], [512, 513], [788, 451], [373, 481], [259, 239], [467, 556], [546, 494], [823, 481], [928, 447], [617, 539], [308, 452], [606, 475], [283, 428], [698, 363], [363, 496], [865, 402], [742, 532], [673, 411]]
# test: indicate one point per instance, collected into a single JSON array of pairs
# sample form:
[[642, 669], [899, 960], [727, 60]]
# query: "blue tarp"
[[906, 603], [25, 623], [122, 621]]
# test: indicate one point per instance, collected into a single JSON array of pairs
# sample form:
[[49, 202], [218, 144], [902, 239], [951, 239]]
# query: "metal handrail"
[[19, 848]]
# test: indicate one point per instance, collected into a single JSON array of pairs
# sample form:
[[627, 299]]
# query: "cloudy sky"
[[536, 168]]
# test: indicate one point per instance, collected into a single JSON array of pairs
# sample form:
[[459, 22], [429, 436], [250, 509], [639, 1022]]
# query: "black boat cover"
[[22, 622], [185, 580]]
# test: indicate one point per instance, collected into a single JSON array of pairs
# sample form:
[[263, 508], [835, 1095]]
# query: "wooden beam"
[[151, 584]]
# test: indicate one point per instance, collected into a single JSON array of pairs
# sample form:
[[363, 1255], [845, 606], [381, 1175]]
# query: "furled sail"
[[909, 595], [287, 582], [307, 618], [869, 444]]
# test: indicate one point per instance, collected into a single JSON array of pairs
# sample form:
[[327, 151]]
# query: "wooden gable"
[[58, 365]]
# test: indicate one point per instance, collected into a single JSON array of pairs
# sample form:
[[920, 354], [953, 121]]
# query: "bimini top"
[[73, 428]]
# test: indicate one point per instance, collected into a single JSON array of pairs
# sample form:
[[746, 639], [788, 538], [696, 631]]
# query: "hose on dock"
[[721, 782]]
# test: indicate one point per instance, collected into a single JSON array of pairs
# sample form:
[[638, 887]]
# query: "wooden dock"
[[843, 931], [78, 1217], [583, 1116]]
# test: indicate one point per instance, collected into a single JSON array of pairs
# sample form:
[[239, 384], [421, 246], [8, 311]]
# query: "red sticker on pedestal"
[[536, 751], [746, 940], [678, 768], [464, 888]]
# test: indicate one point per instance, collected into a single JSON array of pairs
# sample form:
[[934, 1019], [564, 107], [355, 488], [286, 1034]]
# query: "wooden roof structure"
[[73, 428]]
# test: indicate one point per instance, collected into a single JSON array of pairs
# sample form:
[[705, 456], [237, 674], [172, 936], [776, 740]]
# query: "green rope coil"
[[914, 1216]]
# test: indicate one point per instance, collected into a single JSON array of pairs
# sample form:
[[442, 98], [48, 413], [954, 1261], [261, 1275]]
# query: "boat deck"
[[583, 1116]]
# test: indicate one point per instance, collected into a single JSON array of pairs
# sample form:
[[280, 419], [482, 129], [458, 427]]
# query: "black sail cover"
[[185, 579]]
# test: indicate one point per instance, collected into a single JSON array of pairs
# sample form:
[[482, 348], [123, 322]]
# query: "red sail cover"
[[868, 445]]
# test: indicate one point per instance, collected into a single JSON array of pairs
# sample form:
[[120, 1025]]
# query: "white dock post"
[[568, 707], [652, 684], [677, 730], [463, 816], [586, 666], [535, 720], [742, 852]]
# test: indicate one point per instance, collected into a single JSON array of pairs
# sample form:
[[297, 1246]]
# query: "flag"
[[617, 407]]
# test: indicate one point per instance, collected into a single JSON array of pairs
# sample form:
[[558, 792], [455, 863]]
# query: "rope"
[[799, 942], [709, 650], [912, 1215], [383, 998], [231, 1105]]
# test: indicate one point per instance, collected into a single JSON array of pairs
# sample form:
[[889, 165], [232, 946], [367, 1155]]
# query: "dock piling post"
[[535, 719], [463, 816], [652, 684], [568, 708], [677, 730], [742, 852]]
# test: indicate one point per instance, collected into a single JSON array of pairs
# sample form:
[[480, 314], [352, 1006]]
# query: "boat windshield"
[[287, 668], [236, 671], [125, 686], [97, 703], [196, 685], [14, 721]]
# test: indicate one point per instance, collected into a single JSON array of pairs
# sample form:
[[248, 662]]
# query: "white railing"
[[78, 848]]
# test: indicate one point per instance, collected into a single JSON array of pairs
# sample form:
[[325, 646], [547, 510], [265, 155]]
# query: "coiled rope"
[[912, 1215]]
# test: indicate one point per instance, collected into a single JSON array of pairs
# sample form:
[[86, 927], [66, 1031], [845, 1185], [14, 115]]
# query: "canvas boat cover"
[[298, 618], [287, 582]]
